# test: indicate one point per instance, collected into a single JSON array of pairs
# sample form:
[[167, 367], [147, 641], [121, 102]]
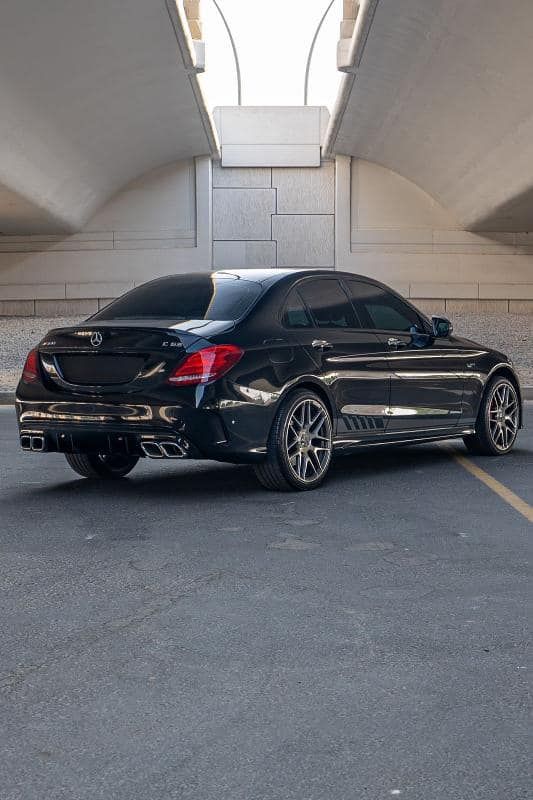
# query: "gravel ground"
[[511, 333], [17, 337]]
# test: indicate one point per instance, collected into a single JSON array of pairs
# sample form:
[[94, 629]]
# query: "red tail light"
[[30, 373], [206, 366]]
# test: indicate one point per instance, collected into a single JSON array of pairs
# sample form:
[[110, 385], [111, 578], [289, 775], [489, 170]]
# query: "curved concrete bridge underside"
[[92, 95], [441, 92]]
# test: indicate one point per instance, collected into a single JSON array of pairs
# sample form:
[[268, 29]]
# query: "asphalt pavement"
[[185, 635]]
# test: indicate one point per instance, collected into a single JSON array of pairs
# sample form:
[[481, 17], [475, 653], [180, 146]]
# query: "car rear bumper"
[[66, 439], [236, 434]]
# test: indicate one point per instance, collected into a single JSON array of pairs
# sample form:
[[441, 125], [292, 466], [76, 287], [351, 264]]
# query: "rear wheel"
[[497, 421], [100, 465], [299, 446]]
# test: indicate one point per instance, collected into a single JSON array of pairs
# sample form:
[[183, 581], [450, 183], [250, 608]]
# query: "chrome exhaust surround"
[[165, 449], [152, 450], [172, 450], [35, 442]]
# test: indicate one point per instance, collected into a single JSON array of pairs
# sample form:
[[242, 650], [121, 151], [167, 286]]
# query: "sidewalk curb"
[[8, 398]]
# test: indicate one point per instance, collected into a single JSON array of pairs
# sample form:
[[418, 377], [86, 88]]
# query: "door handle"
[[321, 344], [393, 341]]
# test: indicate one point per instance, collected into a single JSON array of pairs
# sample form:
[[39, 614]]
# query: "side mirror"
[[442, 327]]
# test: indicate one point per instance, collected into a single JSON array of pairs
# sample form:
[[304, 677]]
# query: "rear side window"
[[382, 310], [328, 303], [184, 297], [295, 314]]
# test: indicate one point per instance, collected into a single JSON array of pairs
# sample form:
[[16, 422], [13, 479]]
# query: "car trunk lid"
[[117, 353]]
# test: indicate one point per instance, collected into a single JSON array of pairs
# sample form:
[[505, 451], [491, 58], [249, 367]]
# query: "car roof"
[[273, 275], [256, 275]]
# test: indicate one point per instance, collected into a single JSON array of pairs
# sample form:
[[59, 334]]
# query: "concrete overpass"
[[92, 95], [440, 92], [111, 171]]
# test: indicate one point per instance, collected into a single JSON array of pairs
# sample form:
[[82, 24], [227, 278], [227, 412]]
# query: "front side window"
[[328, 303], [383, 310], [186, 297]]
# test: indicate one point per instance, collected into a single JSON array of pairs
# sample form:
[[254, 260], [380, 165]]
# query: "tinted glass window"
[[295, 314], [184, 297], [328, 303], [381, 309]]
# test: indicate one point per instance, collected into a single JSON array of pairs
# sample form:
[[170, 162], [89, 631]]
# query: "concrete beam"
[[271, 136]]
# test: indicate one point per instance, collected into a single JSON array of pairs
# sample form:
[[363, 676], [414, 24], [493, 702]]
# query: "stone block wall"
[[273, 217], [390, 229], [347, 26], [193, 14], [159, 224], [347, 214]]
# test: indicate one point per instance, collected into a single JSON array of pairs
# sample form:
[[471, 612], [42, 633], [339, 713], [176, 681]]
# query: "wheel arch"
[[505, 371], [319, 389]]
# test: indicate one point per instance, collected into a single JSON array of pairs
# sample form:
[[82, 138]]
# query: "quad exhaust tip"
[[163, 449]]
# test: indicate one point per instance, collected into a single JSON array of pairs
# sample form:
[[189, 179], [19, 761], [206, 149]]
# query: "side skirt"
[[346, 445]]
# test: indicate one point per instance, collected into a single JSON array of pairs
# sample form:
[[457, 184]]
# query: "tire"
[[299, 446], [497, 421], [97, 465]]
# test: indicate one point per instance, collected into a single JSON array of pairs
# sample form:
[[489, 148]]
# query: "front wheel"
[[299, 445], [100, 465], [498, 420]]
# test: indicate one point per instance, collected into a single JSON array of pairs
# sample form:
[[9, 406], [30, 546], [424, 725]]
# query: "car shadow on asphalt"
[[227, 481]]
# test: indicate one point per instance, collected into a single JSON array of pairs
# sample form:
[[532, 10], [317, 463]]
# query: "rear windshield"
[[185, 297]]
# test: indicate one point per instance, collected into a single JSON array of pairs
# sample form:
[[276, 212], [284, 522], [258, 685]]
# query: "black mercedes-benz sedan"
[[280, 369]]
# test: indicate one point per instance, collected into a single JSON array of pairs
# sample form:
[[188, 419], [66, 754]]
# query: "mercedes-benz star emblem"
[[96, 339]]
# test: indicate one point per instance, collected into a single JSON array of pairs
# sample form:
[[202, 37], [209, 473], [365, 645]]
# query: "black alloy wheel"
[[100, 465], [300, 444], [498, 420]]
